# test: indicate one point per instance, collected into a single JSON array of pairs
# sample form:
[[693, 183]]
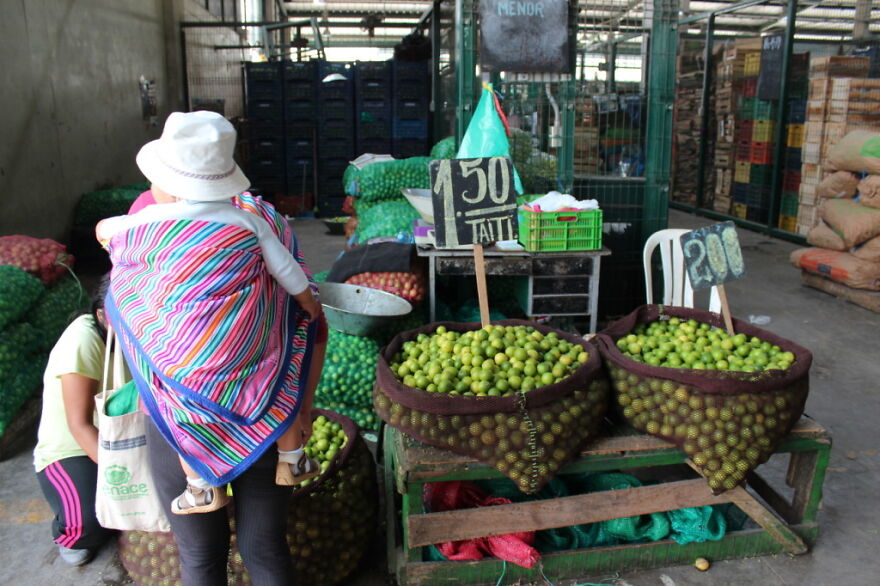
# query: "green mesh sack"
[[19, 291], [321, 277], [331, 523], [526, 433], [350, 180], [697, 524], [383, 180], [349, 371], [52, 312], [20, 385], [97, 205], [385, 219], [139, 187], [444, 149], [653, 527], [18, 342], [727, 422]]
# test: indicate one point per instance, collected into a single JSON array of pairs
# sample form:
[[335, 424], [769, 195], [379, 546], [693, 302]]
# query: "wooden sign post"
[[713, 257], [474, 203]]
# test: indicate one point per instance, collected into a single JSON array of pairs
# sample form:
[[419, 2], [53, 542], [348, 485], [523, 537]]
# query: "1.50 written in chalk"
[[712, 255]]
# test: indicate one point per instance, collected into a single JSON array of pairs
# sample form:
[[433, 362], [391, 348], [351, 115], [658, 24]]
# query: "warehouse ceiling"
[[384, 23]]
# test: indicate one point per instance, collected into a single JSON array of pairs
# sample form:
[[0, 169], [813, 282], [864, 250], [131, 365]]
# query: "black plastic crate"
[[299, 110], [336, 110], [376, 130], [401, 149], [266, 70], [741, 192], [336, 90], [265, 110], [377, 147], [330, 205], [300, 175], [411, 108], [379, 108], [267, 185], [409, 129], [373, 90], [267, 165], [373, 70], [411, 90], [759, 196], [266, 145], [337, 129], [336, 148], [325, 68], [295, 129], [263, 88], [301, 70], [332, 169], [299, 90], [757, 214], [410, 70], [793, 158], [298, 147], [258, 129]]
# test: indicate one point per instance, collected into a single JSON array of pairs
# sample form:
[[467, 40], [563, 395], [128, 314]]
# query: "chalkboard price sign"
[[474, 201], [525, 36], [770, 74], [712, 255]]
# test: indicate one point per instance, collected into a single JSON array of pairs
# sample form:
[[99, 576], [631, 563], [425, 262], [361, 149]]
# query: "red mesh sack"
[[411, 286], [526, 436], [42, 257], [512, 547], [727, 422]]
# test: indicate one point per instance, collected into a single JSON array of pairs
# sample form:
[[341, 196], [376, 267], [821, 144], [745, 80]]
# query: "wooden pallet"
[[785, 525], [868, 299]]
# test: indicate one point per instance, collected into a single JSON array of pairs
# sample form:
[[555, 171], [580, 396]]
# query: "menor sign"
[[525, 36], [712, 255], [770, 75], [474, 201]]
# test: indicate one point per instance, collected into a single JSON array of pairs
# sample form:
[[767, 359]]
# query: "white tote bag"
[[126, 497]]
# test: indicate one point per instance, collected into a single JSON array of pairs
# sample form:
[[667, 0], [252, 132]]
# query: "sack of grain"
[[838, 266], [857, 151], [821, 236], [869, 251], [869, 190], [851, 220], [839, 184]]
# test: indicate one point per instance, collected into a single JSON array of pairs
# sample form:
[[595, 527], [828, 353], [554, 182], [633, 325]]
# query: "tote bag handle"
[[118, 368]]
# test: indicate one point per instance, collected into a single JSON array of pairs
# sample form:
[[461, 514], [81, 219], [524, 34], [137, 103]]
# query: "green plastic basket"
[[560, 231]]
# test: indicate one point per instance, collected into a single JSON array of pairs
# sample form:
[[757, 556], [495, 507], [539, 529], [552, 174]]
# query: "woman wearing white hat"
[[214, 308]]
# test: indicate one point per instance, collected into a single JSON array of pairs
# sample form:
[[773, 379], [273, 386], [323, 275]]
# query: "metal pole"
[[464, 66], [704, 110], [436, 106], [185, 72], [781, 114]]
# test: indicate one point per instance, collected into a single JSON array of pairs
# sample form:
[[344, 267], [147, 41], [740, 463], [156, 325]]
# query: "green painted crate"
[[763, 110], [560, 231], [760, 174]]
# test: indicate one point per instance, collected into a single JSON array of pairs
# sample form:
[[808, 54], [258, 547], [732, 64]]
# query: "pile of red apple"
[[409, 286]]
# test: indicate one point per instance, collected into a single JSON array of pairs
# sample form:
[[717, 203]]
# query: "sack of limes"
[[331, 519], [726, 401], [520, 397]]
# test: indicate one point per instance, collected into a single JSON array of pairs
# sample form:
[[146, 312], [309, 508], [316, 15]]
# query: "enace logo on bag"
[[120, 488]]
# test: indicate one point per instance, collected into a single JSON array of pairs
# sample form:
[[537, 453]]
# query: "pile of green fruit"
[[494, 361], [679, 343], [348, 376], [331, 523], [383, 180]]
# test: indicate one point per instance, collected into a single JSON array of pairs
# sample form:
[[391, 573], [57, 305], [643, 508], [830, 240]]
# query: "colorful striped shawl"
[[217, 348]]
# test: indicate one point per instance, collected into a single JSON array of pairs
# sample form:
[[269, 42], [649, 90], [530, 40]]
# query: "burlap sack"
[[852, 221], [869, 189], [869, 251], [839, 184], [821, 236], [857, 151], [838, 266]]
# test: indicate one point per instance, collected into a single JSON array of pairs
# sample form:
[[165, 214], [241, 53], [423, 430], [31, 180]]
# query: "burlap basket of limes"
[[331, 520], [727, 401], [520, 397]]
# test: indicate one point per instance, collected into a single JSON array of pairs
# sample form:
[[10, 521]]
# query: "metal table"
[[559, 283]]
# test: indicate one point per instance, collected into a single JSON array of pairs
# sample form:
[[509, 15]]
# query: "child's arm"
[[108, 227], [283, 266]]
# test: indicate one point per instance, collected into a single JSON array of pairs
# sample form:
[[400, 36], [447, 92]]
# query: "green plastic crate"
[[560, 231], [789, 204]]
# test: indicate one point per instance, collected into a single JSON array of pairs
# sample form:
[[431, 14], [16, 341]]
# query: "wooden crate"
[[807, 194], [722, 202], [784, 525], [811, 153], [819, 89], [854, 89], [812, 173], [839, 66], [807, 218]]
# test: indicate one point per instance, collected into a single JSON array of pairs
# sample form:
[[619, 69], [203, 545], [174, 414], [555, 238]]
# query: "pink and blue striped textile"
[[219, 350]]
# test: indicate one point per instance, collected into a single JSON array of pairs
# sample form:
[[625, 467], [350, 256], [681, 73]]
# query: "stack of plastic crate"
[[265, 113], [336, 134], [373, 107], [410, 108], [299, 79]]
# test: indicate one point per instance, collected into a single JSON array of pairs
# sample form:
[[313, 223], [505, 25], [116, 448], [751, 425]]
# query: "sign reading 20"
[[712, 255]]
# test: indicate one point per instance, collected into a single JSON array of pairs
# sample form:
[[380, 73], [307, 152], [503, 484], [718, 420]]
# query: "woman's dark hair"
[[98, 303]]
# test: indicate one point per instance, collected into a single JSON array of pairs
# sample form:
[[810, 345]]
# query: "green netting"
[[349, 180], [98, 205], [349, 371], [444, 149], [321, 277], [139, 187], [388, 218], [19, 291], [537, 169], [383, 181], [52, 312], [19, 384]]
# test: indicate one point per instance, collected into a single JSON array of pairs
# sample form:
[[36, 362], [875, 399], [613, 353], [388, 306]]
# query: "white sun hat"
[[193, 158]]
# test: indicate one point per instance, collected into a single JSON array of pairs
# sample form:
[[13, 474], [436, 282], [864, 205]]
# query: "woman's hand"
[[308, 303], [78, 393]]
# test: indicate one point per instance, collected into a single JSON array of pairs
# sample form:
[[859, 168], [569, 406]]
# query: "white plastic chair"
[[677, 288]]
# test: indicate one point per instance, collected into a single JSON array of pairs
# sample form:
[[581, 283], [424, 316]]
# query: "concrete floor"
[[845, 398]]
